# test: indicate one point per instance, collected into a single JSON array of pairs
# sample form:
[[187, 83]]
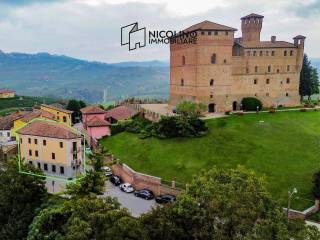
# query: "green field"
[[13, 104], [285, 148]]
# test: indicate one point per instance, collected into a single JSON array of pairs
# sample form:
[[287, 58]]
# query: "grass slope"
[[285, 148]]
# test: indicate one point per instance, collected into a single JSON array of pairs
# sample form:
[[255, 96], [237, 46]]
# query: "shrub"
[[251, 104], [117, 128], [303, 109], [227, 113]]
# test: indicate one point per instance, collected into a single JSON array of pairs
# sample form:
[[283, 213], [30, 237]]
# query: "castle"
[[220, 70]]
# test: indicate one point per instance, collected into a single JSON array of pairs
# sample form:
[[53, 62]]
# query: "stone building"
[[219, 70]]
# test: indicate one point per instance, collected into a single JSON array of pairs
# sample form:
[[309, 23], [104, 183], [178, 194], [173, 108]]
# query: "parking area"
[[135, 205]]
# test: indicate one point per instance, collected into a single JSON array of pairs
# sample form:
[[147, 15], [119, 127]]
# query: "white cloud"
[[90, 29]]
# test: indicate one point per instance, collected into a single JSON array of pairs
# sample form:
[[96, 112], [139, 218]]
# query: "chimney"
[[273, 39]]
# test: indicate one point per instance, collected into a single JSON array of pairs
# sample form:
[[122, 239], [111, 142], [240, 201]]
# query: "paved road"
[[135, 205]]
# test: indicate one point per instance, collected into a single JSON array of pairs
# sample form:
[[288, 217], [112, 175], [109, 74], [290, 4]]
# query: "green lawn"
[[285, 148]]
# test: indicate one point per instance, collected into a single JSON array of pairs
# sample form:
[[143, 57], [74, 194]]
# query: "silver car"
[[126, 187]]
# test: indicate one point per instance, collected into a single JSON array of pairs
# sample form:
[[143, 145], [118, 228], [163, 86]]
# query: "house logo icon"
[[133, 36]]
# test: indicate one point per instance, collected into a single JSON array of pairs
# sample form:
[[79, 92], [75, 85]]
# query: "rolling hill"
[[44, 74]]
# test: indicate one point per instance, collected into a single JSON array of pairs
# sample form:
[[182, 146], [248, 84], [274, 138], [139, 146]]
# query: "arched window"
[[213, 58], [183, 60], [269, 68], [287, 94], [267, 81], [261, 53], [288, 80], [285, 53], [256, 68], [211, 82], [182, 82]]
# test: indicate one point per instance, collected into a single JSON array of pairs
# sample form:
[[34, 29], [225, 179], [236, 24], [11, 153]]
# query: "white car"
[[107, 171], [126, 187]]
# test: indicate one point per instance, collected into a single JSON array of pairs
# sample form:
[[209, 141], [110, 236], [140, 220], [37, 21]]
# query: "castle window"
[[224, 60], [20, 140], [288, 68], [255, 81], [211, 82], [61, 144], [53, 168], [183, 60], [267, 94], [287, 94], [39, 165], [209, 33], [53, 155], [254, 53], [44, 142], [248, 53], [272, 53], [61, 170], [211, 96], [278, 70], [64, 119], [202, 33], [255, 94], [227, 33], [291, 52], [269, 68], [267, 81], [36, 153], [288, 80], [45, 167], [285, 53], [213, 58], [182, 82], [216, 33], [256, 68], [267, 53], [261, 53], [35, 141], [29, 140], [30, 152]]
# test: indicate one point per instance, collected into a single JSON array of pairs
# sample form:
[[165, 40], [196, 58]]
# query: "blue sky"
[[90, 29]]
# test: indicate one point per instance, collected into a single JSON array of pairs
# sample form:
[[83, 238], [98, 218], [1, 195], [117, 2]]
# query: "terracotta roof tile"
[[207, 25], [56, 108], [253, 15], [92, 110], [49, 129], [120, 113], [36, 114], [6, 91], [97, 122], [6, 122]]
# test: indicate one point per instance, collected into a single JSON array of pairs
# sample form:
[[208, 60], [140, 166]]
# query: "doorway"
[[211, 108]]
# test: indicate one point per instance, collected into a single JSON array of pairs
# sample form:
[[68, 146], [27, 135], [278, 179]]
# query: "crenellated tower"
[[251, 27]]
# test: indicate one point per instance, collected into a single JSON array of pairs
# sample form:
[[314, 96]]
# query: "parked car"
[[115, 180], [126, 187], [144, 193], [107, 171], [165, 198]]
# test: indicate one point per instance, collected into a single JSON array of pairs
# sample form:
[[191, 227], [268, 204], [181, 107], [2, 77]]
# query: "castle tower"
[[251, 27], [298, 41]]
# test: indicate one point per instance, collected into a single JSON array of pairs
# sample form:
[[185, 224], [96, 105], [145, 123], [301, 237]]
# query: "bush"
[[117, 128], [227, 113], [251, 104], [303, 109]]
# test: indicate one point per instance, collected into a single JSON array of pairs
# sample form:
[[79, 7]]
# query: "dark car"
[[165, 198], [144, 193], [116, 180]]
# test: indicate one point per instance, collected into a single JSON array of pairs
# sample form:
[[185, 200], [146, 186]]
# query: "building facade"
[[60, 114], [219, 70], [53, 147], [6, 93]]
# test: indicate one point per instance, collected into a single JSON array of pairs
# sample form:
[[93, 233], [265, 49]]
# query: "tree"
[[224, 205], [20, 196], [190, 109], [75, 106], [92, 183], [309, 83], [86, 218], [251, 104]]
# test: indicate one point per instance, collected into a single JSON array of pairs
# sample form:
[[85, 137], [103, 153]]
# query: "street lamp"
[[290, 194]]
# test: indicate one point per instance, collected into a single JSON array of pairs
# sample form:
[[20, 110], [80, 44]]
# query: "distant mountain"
[[44, 74]]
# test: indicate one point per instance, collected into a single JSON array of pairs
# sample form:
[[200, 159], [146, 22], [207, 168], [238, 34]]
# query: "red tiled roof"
[[267, 44], [253, 15], [6, 122], [36, 114], [97, 122], [6, 91], [92, 110], [120, 113], [56, 108], [49, 129], [208, 25]]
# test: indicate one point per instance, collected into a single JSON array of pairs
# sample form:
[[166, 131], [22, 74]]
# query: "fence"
[[294, 214]]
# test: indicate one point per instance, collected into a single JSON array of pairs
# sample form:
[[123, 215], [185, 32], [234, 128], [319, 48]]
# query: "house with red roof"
[[94, 122], [6, 93], [119, 113]]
